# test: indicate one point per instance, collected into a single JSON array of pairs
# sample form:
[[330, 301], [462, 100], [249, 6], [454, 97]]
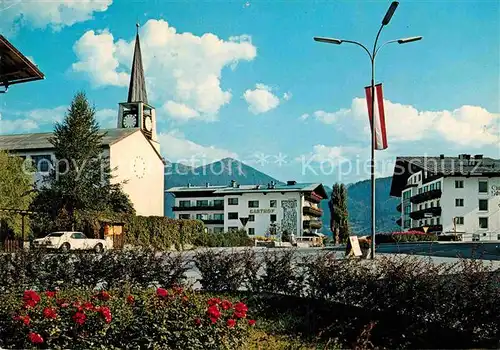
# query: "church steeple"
[[136, 112], [137, 87]]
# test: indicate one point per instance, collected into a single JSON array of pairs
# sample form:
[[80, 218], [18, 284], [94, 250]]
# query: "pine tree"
[[338, 213], [80, 180]]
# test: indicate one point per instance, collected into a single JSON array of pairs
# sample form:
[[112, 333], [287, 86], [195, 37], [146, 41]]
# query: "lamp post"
[[372, 55]]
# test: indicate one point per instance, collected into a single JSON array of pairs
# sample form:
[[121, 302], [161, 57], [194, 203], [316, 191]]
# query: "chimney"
[[189, 185], [207, 184], [441, 156], [478, 156], [232, 183]]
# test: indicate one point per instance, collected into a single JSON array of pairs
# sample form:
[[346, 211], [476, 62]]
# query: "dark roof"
[[465, 165], [15, 68], [137, 87], [223, 190], [41, 140]]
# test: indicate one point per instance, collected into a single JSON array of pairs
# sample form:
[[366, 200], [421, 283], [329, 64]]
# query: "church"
[[132, 147]]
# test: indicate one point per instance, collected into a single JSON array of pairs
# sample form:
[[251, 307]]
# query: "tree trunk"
[[337, 236]]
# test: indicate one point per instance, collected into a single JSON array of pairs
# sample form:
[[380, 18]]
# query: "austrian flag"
[[379, 122]]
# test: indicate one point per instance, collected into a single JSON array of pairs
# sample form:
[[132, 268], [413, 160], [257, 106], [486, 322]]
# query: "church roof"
[[137, 87], [41, 140]]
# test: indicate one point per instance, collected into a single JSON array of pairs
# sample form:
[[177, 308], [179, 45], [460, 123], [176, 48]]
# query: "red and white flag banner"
[[379, 122]]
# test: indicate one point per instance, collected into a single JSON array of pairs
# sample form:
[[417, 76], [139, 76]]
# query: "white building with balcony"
[[258, 209], [449, 195]]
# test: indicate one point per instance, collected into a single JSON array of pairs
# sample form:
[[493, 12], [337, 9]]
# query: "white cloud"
[[261, 99], [176, 148], [17, 126], [287, 96], [47, 115], [43, 119], [335, 154], [54, 13], [180, 111], [304, 116], [183, 68], [107, 118], [470, 126], [97, 56]]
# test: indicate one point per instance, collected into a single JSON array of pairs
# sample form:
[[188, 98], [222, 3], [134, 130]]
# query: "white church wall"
[[138, 164]]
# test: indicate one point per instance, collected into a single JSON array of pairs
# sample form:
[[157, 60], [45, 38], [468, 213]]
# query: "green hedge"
[[162, 232], [225, 239]]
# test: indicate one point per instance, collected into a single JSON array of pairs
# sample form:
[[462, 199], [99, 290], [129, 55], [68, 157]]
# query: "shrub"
[[221, 271], [226, 239], [161, 232], [144, 318], [409, 236], [140, 267]]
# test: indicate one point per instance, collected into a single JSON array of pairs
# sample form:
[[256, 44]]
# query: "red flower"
[[197, 321], [185, 298], [63, 305], [35, 338], [226, 305], [25, 319], [130, 299], [213, 301], [87, 306], [79, 318], [231, 323], [162, 293], [251, 322], [30, 298], [177, 289], [103, 295], [50, 294], [49, 312], [240, 310], [105, 313], [213, 313]]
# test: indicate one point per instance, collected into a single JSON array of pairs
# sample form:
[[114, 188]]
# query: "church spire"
[[137, 88]]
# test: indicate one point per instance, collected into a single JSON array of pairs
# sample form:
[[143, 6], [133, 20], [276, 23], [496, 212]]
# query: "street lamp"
[[372, 55]]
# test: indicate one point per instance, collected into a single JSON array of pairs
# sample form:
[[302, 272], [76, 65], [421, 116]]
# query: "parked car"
[[66, 241]]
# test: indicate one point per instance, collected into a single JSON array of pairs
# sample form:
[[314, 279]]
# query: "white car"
[[66, 241]]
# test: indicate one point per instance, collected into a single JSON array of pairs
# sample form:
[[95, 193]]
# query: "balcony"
[[313, 198], [398, 208], [420, 214], [213, 221], [425, 196], [312, 224], [312, 211], [430, 228], [200, 207]]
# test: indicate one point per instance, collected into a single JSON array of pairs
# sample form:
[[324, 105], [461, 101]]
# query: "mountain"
[[227, 169], [217, 173]]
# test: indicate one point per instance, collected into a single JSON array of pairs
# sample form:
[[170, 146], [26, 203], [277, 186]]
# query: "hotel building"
[[259, 209], [449, 195]]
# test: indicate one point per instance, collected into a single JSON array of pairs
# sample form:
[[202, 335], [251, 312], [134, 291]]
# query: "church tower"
[[136, 112]]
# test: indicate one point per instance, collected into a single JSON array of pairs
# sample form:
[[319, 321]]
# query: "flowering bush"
[[158, 318]]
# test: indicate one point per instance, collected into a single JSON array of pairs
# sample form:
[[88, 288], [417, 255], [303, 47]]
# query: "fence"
[[10, 245]]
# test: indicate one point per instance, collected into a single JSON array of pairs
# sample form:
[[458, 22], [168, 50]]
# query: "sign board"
[[428, 215], [244, 221], [425, 228], [355, 248], [261, 211]]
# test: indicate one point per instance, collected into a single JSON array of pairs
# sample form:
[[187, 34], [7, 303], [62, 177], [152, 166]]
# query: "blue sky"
[[245, 79]]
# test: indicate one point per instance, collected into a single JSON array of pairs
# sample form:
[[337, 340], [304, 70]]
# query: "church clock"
[[130, 119], [148, 123]]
